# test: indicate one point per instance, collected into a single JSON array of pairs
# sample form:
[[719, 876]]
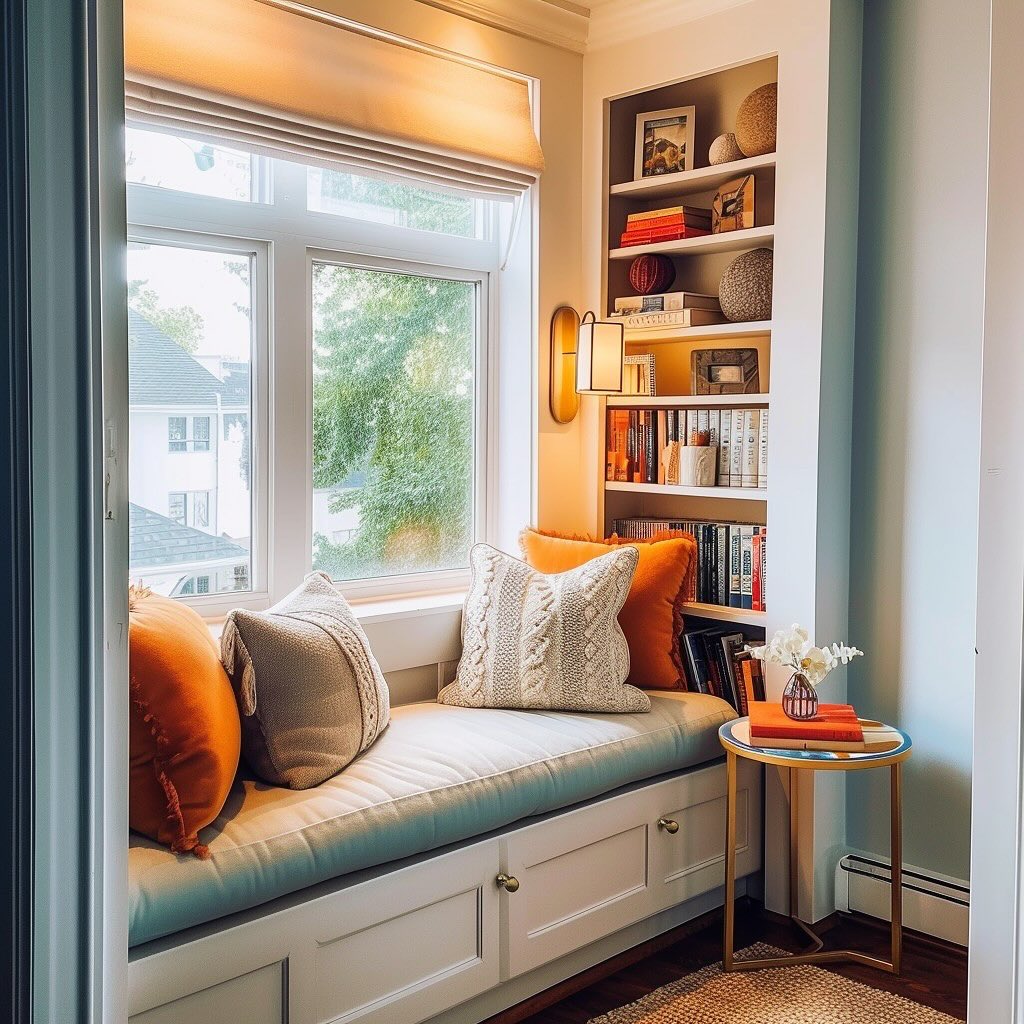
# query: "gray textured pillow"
[[554, 642], [311, 694]]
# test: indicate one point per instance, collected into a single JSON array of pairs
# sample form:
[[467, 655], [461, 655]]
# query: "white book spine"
[[748, 472], [702, 421], [762, 451], [747, 566], [736, 449], [725, 433], [691, 424]]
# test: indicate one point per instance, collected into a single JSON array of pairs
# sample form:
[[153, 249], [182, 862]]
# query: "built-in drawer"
[[257, 997], [690, 859]]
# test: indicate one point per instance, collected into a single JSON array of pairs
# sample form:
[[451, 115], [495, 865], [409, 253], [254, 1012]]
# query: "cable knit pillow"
[[311, 694], [530, 640]]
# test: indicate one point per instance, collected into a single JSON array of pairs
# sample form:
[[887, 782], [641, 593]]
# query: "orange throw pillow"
[[185, 734], [652, 617]]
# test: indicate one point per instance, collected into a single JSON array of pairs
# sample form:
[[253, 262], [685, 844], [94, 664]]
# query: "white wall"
[[916, 413]]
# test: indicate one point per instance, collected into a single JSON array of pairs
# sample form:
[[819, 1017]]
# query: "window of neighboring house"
[[177, 433], [191, 339], [180, 440], [202, 584], [390, 445], [201, 434], [177, 506]]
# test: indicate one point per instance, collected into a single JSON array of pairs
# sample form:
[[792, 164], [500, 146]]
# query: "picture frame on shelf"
[[664, 142], [733, 207], [725, 371]]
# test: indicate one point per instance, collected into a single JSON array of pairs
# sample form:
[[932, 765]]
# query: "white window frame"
[[260, 426], [438, 580], [293, 237]]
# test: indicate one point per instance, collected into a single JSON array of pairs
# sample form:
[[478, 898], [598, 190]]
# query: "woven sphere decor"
[[654, 272], [745, 291], [755, 121], [724, 149]]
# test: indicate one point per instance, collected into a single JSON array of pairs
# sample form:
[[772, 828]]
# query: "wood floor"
[[934, 973]]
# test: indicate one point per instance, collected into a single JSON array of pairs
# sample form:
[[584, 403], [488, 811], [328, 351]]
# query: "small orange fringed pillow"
[[652, 617], [185, 734]]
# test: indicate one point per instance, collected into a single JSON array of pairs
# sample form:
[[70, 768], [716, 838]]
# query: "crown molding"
[[614, 21], [560, 23]]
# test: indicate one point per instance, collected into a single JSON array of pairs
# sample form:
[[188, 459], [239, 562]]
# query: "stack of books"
[[835, 728], [717, 662], [732, 558], [668, 309], [666, 225], [635, 437]]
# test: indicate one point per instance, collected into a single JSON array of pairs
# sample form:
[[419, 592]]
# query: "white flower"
[[794, 648]]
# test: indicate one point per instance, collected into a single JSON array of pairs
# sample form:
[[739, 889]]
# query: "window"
[[176, 433], [177, 507], [376, 474], [190, 165], [201, 434], [202, 584], [189, 361], [388, 202], [393, 420]]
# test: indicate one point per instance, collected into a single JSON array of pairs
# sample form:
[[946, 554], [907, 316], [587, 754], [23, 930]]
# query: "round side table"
[[735, 737]]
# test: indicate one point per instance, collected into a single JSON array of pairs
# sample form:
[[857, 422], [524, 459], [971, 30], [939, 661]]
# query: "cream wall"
[[560, 476]]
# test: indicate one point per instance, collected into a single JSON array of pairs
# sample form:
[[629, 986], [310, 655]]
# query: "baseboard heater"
[[933, 904]]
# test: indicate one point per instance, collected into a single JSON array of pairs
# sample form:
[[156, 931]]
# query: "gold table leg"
[[816, 955]]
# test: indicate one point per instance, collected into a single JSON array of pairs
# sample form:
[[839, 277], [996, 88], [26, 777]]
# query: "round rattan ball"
[[724, 149], [745, 291], [755, 121], [653, 272]]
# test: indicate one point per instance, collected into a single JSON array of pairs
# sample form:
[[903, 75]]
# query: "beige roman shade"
[[289, 82]]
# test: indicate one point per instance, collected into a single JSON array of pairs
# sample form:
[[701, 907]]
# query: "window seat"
[[438, 775]]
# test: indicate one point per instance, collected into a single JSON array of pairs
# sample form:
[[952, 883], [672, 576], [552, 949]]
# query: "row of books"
[[835, 727], [717, 662], [665, 225], [732, 558], [635, 438]]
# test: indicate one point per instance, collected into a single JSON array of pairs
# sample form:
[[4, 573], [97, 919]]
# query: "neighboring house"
[[189, 453], [177, 560]]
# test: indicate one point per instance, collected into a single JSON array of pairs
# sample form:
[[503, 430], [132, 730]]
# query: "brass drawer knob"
[[508, 882], [670, 826]]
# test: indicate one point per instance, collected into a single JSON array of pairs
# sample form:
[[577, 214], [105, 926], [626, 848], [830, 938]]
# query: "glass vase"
[[799, 698]]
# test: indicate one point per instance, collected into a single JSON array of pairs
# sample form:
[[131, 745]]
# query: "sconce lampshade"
[[600, 349]]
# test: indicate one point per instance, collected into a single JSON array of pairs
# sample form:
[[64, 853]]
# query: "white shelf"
[[703, 179], [733, 493], [716, 611], [726, 241], [661, 335], [685, 401]]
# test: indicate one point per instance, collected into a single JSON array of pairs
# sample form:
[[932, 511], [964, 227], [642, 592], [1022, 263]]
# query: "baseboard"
[[933, 904]]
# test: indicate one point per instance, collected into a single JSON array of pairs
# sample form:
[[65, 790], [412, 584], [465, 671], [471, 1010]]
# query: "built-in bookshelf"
[[805, 348], [699, 263]]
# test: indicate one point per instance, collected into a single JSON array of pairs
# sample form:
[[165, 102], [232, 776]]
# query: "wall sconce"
[[586, 359]]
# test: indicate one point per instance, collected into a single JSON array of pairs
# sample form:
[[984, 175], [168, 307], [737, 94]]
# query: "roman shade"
[[286, 81]]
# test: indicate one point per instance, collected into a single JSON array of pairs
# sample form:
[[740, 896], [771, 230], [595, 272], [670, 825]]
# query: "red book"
[[661, 234], [835, 722], [755, 587]]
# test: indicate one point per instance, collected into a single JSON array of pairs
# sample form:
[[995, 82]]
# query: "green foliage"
[[412, 207], [393, 401], [180, 323]]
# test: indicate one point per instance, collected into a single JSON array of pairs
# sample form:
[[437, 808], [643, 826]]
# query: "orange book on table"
[[835, 722]]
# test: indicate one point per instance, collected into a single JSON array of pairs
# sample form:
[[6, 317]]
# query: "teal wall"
[[917, 400]]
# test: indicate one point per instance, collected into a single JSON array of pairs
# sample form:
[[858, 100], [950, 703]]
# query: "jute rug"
[[783, 995]]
